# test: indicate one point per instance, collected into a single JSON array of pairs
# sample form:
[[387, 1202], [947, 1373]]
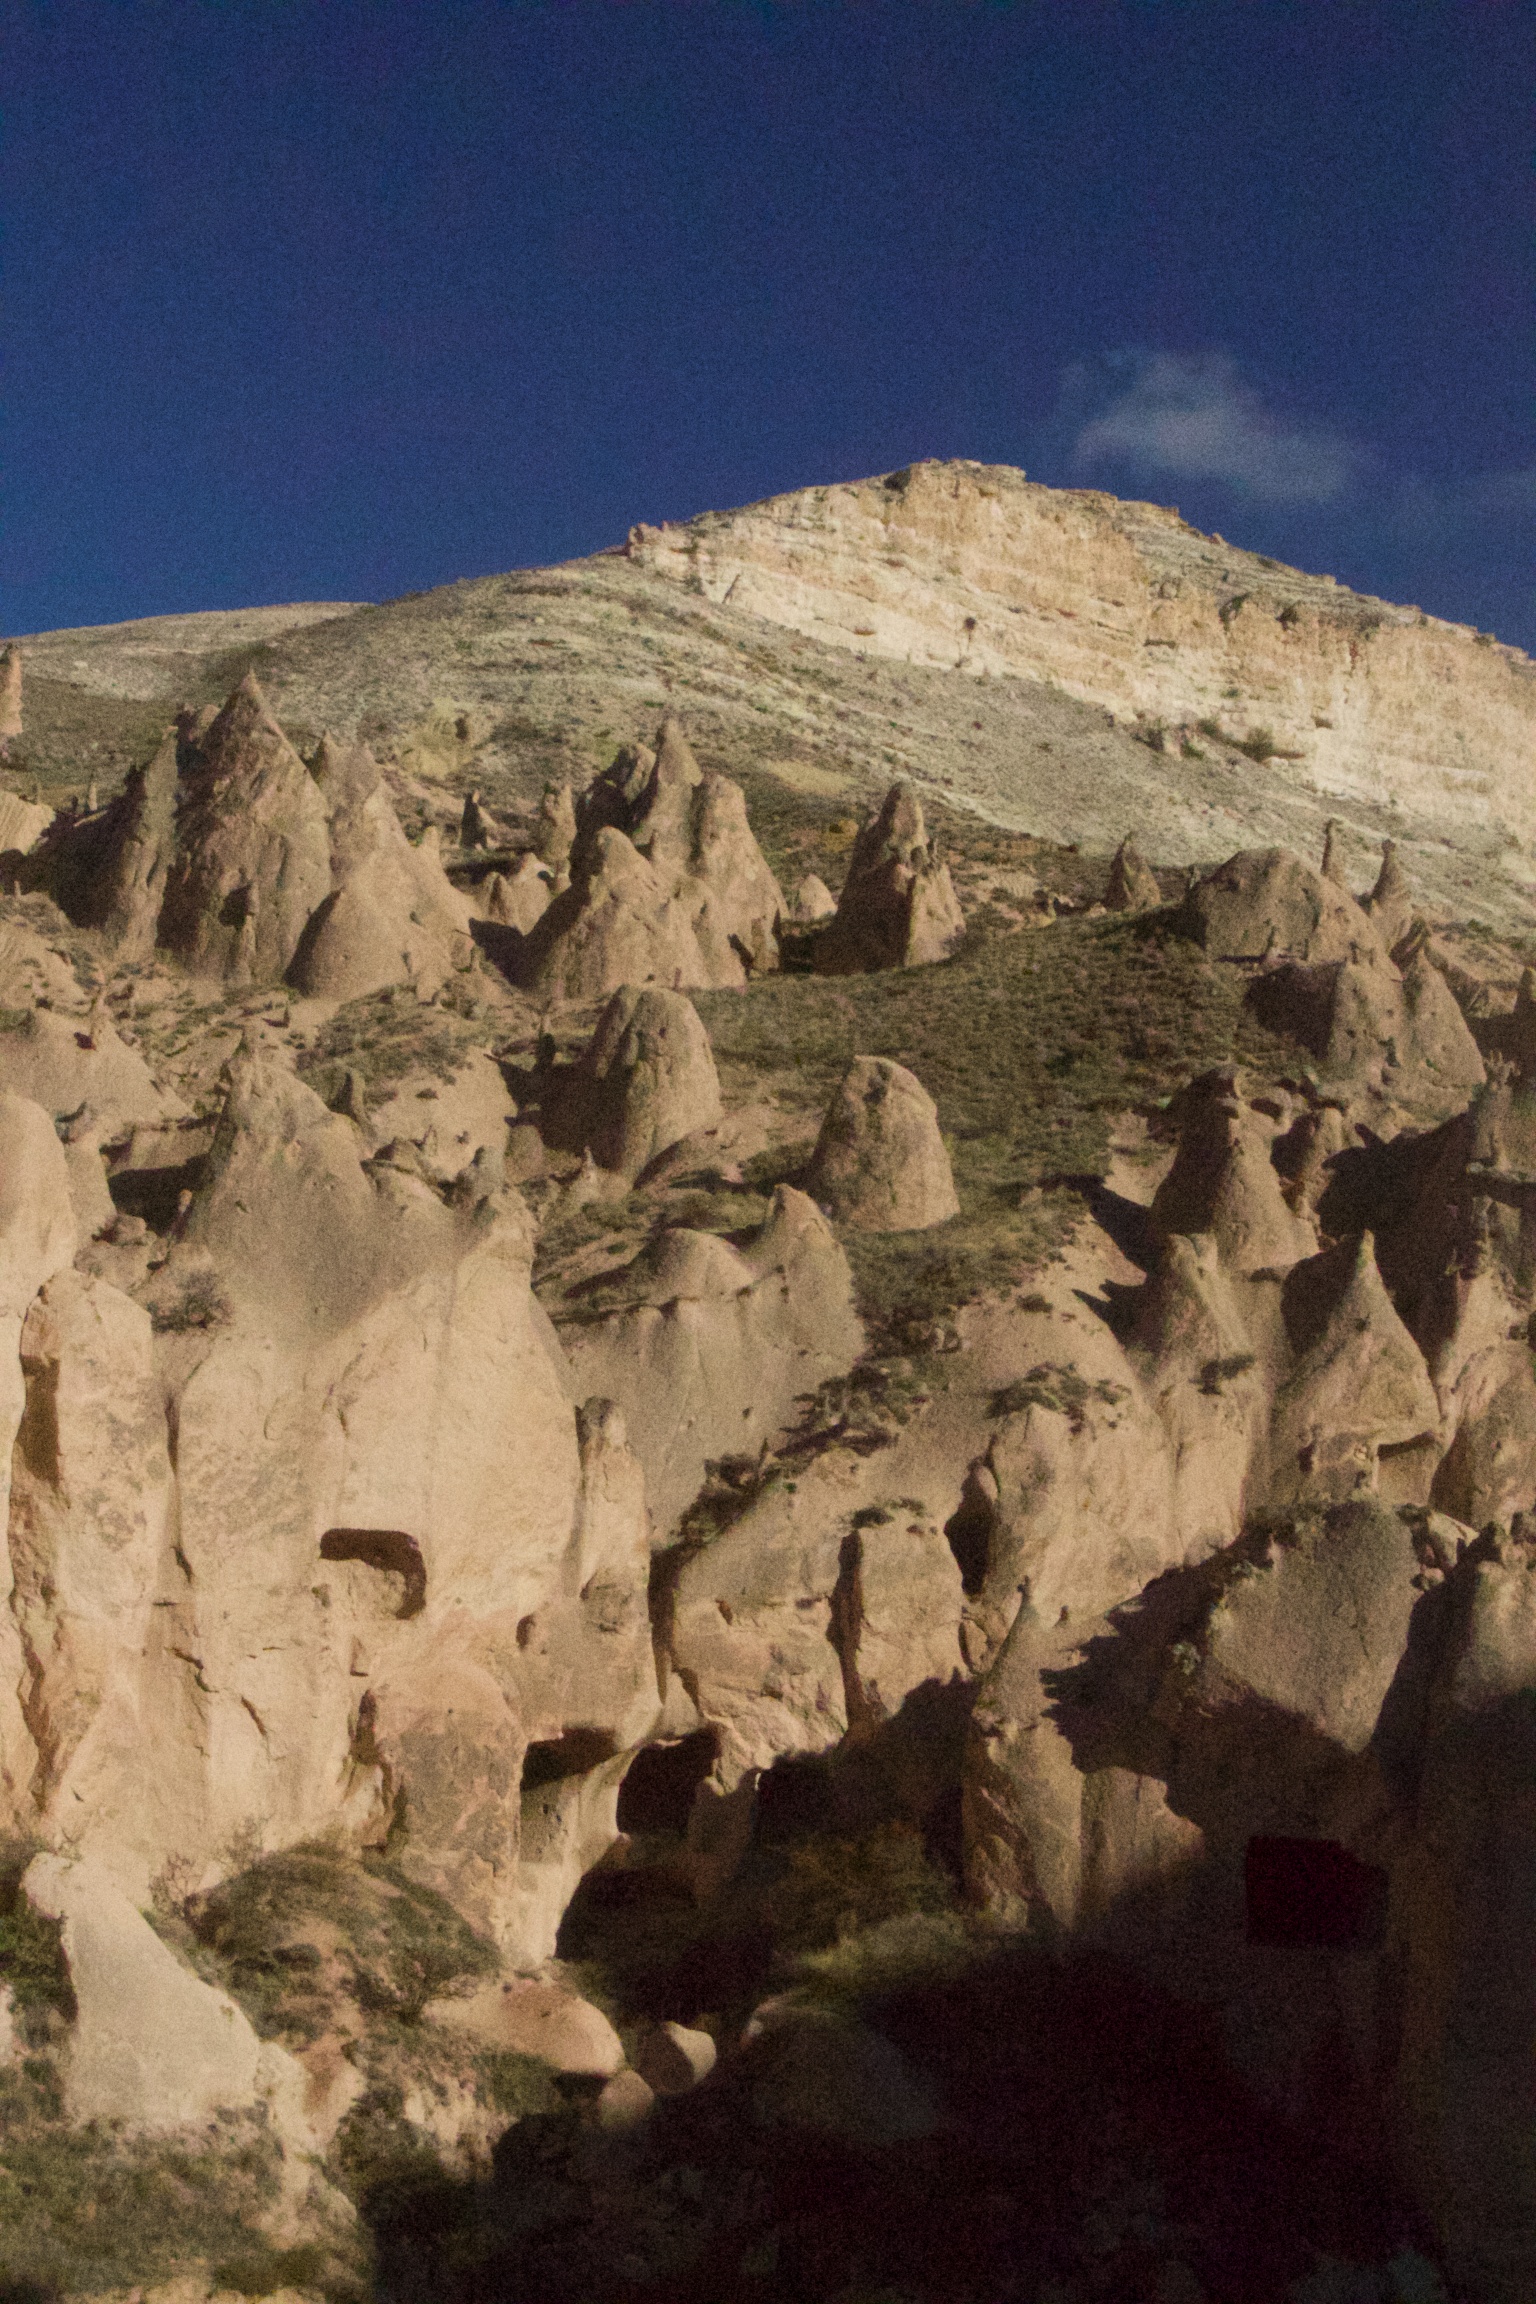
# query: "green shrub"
[[399, 1945], [32, 1965], [83, 2208], [1062, 1390]]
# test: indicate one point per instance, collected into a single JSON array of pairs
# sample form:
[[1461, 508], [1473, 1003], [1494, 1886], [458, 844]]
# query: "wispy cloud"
[[1193, 416]]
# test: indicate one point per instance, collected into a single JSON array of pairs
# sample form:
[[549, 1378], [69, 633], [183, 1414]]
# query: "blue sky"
[[306, 299]]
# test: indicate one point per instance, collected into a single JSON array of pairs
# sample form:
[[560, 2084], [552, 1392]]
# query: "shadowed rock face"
[[898, 907]]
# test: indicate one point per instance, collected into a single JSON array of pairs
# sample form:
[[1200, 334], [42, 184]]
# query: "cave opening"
[[390, 1552], [658, 1790]]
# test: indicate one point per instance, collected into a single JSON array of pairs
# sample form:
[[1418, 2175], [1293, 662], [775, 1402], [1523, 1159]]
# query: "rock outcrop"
[[252, 859], [1266, 904], [111, 872], [619, 922], [62, 1051], [22, 824], [880, 1163], [152, 2047], [1398, 1033], [557, 830], [975, 569], [898, 907], [719, 1343], [668, 883], [1132, 883], [392, 916], [1224, 1182], [10, 697], [1390, 903], [645, 1081], [520, 898], [373, 1572]]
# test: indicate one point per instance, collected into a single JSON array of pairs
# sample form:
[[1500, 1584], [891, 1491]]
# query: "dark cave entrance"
[[1312, 1893]]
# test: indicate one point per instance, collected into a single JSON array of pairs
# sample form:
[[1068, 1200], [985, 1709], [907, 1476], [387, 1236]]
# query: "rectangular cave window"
[[548, 1767], [1312, 1892]]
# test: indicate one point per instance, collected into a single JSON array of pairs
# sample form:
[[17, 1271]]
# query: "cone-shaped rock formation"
[[880, 1164], [898, 907]]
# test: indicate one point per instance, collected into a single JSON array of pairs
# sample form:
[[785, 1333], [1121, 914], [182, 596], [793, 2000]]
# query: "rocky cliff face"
[[974, 568], [905, 1466]]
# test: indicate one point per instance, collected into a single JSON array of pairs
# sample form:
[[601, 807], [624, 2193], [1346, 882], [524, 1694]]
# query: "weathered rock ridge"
[[970, 566]]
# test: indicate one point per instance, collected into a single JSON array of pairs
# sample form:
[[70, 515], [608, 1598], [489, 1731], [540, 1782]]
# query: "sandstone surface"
[[880, 1164], [898, 907]]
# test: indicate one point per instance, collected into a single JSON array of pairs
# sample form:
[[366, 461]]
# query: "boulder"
[[1265, 903], [898, 907], [1132, 884], [674, 2058], [646, 1079], [812, 902], [880, 1164], [814, 2069], [532, 2018], [252, 856], [152, 2046], [625, 2104]]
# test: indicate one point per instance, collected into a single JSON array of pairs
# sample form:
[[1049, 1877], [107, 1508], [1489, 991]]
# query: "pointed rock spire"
[[252, 844], [1224, 1182], [1132, 884], [898, 907], [1390, 902], [880, 1164], [10, 696], [1360, 1383]]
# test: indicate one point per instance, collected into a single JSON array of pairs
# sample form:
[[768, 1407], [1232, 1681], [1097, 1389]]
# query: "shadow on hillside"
[[1092, 2146]]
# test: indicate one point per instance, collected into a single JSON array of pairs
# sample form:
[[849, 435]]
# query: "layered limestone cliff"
[[973, 567]]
